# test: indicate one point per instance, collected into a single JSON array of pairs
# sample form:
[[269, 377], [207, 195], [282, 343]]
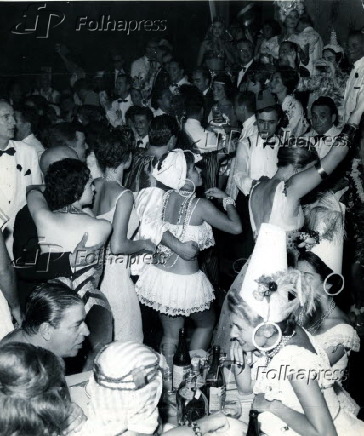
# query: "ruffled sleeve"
[[149, 206], [341, 334]]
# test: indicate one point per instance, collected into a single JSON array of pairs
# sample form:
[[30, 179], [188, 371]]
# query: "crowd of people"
[[224, 197]]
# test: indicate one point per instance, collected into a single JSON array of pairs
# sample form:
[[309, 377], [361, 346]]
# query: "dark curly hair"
[[114, 147], [34, 398], [65, 182]]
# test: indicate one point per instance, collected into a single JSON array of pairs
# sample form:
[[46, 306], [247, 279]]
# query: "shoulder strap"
[[121, 194]]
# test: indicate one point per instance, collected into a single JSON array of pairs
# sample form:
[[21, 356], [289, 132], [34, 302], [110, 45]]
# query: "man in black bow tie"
[[246, 52], [118, 108], [256, 156], [19, 168]]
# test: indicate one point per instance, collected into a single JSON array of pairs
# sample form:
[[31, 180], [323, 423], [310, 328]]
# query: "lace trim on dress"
[[341, 334]]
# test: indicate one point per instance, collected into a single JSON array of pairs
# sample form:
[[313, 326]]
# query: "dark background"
[[187, 23]]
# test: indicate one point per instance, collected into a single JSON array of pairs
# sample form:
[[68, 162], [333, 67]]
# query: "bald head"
[[56, 154]]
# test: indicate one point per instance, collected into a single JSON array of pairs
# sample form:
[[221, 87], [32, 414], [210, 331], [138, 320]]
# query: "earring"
[[342, 285], [189, 194], [270, 347]]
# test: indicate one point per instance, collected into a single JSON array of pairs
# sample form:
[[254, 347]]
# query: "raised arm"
[[241, 170], [37, 204], [229, 223], [301, 184]]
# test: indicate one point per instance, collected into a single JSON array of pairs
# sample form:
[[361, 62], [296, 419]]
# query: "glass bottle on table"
[[253, 426], [181, 361], [191, 402], [196, 371], [215, 387]]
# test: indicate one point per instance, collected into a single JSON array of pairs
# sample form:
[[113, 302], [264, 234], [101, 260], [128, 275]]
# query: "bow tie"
[[320, 138], [10, 151], [243, 70], [120, 100], [270, 142], [175, 85], [140, 142]]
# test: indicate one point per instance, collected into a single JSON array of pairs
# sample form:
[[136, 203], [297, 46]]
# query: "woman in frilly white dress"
[[328, 324], [174, 287], [290, 375]]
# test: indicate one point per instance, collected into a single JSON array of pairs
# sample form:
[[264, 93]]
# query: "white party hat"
[[269, 258]]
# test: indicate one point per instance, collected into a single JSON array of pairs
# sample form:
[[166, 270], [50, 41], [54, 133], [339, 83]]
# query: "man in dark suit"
[[201, 78], [247, 64]]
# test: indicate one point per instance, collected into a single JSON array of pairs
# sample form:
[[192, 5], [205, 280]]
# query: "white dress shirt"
[[249, 129], [116, 114], [203, 139], [142, 142], [254, 160], [354, 86], [32, 141], [323, 145], [16, 173], [158, 112], [242, 73]]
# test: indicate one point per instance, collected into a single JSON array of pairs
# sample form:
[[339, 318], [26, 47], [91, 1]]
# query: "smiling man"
[[54, 319], [324, 118]]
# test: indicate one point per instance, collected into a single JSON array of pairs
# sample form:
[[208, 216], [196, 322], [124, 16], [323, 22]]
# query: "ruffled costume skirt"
[[174, 294]]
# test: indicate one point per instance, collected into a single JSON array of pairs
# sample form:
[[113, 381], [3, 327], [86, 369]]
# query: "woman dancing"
[[176, 288], [115, 204], [277, 200], [62, 221]]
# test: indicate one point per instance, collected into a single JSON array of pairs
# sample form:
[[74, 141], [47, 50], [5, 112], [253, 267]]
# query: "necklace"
[[316, 325], [110, 177], [70, 209], [284, 341]]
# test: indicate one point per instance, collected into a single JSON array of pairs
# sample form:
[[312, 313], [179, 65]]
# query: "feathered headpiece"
[[333, 45], [326, 217], [285, 7]]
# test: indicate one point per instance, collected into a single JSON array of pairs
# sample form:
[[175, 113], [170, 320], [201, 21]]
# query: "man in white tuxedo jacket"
[[19, 168]]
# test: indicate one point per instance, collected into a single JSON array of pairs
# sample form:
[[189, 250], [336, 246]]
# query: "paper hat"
[[331, 251], [115, 366], [334, 45], [269, 258]]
